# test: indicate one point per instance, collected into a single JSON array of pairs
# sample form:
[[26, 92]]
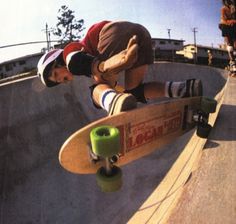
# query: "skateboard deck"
[[142, 131]]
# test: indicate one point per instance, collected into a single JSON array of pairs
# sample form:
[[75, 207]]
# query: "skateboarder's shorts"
[[228, 31], [115, 36]]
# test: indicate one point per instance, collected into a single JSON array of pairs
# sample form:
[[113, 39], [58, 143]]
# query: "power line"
[[25, 43]]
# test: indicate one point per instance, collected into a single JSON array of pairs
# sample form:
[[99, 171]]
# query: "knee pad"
[[138, 93]]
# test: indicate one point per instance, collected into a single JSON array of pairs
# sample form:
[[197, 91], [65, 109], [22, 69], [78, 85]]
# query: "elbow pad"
[[79, 63]]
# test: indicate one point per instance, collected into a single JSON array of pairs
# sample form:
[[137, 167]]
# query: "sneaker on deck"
[[122, 102], [193, 88]]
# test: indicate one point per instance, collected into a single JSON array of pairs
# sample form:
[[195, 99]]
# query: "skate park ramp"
[[35, 122]]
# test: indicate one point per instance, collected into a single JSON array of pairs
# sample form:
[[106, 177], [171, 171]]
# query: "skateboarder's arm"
[[80, 63], [119, 62]]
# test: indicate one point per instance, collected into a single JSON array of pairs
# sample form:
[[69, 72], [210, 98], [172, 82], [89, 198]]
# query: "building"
[[165, 49], [19, 65], [200, 54]]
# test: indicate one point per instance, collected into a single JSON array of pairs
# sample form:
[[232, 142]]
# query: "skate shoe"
[[193, 87], [122, 102]]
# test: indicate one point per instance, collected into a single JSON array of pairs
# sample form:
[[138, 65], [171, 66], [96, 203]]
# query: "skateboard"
[[105, 145]]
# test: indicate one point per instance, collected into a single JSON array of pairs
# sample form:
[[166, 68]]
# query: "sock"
[[175, 89], [106, 99]]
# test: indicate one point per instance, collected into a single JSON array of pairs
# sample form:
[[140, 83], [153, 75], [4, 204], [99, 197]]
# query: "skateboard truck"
[[208, 106], [201, 116], [95, 158]]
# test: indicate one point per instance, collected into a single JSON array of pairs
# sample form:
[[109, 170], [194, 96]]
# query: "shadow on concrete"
[[225, 127]]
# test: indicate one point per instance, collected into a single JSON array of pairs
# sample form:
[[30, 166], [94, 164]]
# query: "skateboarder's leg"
[[106, 97], [186, 88], [152, 90], [230, 50], [142, 92], [231, 46], [232, 58]]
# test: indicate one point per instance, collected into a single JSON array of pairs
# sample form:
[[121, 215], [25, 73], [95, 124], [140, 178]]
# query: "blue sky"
[[24, 20]]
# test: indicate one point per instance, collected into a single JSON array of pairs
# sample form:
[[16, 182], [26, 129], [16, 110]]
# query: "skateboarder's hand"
[[121, 61]]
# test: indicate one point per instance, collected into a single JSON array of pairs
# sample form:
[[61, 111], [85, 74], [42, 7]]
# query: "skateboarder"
[[107, 49], [228, 28]]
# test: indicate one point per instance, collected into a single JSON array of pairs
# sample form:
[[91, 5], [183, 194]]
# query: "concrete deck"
[[34, 123], [210, 195]]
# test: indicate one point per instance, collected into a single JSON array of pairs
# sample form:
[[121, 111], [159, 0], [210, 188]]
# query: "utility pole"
[[48, 38], [195, 44], [169, 32], [172, 51]]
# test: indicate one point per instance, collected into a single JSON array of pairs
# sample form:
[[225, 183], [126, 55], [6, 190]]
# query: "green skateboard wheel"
[[105, 141], [203, 130], [208, 105], [109, 182]]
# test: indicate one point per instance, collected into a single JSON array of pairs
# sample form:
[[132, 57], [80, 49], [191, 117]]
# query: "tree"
[[68, 28]]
